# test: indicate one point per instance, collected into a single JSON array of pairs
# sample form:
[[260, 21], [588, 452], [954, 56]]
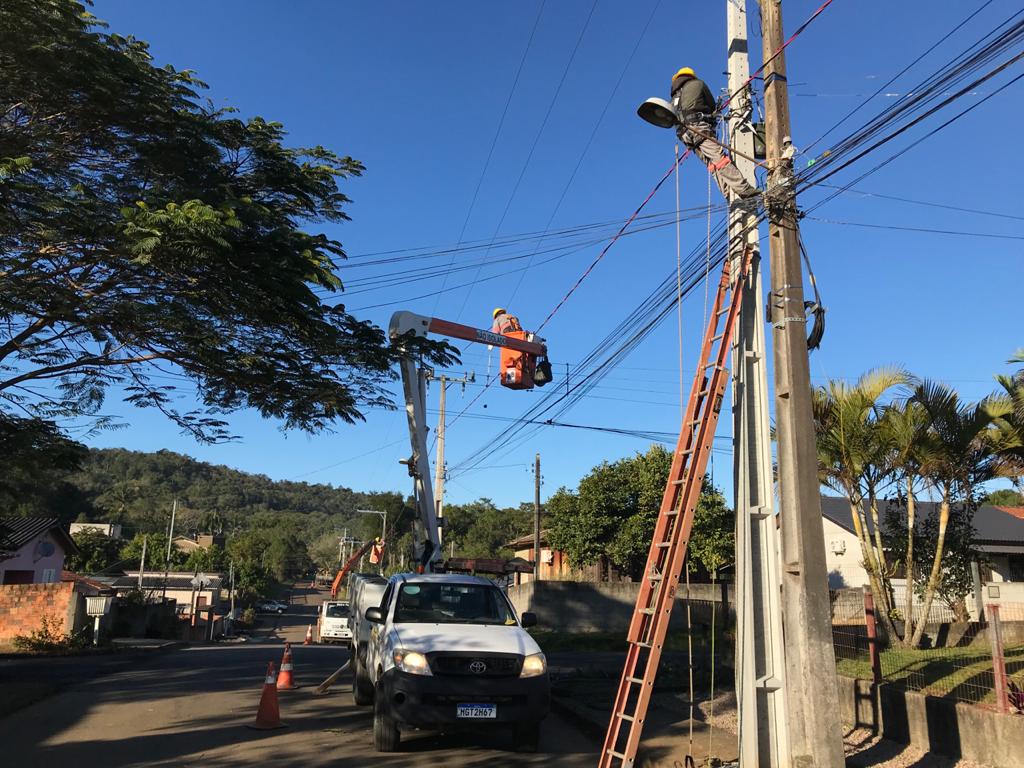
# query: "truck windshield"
[[452, 604], [337, 611]]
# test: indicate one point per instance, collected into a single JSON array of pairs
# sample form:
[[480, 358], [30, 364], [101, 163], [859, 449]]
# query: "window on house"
[[11, 576], [1016, 567], [49, 575]]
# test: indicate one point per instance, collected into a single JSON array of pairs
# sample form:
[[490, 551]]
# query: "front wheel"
[[362, 691], [386, 737]]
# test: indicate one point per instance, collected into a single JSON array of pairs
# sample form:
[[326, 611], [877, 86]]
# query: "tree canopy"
[[149, 240], [615, 508]]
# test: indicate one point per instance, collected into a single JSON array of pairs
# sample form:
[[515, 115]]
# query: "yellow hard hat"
[[684, 71], [497, 311]]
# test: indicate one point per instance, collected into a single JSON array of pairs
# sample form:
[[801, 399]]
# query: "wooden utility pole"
[[536, 518], [760, 658], [170, 540], [811, 697]]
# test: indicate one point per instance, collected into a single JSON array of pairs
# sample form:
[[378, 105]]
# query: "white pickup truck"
[[447, 652]]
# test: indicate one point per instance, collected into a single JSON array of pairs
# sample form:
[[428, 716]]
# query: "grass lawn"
[[964, 674]]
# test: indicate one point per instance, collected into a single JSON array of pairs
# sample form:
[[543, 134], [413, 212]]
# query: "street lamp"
[[383, 527], [658, 112]]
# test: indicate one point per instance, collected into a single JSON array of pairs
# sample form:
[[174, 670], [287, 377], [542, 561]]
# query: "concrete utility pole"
[[142, 562], [439, 461], [536, 518], [811, 694], [439, 458], [170, 538], [760, 657]]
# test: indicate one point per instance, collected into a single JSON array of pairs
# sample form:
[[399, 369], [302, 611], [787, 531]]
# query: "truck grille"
[[476, 665]]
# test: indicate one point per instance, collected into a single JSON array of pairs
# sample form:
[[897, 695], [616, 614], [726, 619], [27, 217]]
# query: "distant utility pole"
[[811, 697], [760, 660], [439, 459], [170, 538], [536, 517], [142, 562]]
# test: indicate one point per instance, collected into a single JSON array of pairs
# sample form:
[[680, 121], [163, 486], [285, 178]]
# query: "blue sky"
[[416, 92]]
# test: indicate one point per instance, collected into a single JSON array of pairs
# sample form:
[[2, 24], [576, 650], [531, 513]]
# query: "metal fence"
[[976, 662]]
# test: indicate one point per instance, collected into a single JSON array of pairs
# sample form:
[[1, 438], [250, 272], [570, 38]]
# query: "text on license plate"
[[476, 711]]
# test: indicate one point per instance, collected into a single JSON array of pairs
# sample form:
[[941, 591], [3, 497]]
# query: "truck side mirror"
[[528, 619], [375, 615]]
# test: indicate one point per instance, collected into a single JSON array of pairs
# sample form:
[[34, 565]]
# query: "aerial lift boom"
[[350, 565], [519, 371]]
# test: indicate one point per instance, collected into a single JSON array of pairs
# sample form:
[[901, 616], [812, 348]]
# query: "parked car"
[[271, 606], [447, 652]]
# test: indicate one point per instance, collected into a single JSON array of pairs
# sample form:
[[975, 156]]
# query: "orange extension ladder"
[[672, 532]]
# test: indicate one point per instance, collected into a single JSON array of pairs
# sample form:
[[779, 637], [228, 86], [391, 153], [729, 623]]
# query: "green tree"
[[615, 510], [959, 457], [480, 529], [120, 189], [855, 457], [1004, 497], [156, 553], [1007, 438], [96, 552], [324, 552], [210, 560]]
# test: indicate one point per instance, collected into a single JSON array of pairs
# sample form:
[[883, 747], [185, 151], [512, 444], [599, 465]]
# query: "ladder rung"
[[642, 644], [663, 544], [716, 338], [613, 753], [623, 716], [634, 680], [670, 513], [654, 576], [648, 611]]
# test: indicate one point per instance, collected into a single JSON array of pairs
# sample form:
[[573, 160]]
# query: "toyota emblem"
[[477, 667]]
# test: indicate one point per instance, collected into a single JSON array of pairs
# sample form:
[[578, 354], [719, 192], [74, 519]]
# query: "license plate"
[[476, 711]]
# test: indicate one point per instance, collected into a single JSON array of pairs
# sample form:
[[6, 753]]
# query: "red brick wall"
[[23, 606]]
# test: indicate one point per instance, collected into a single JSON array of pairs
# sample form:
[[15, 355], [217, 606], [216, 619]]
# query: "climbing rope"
[[689, 658], [711, 701], [679, 292]]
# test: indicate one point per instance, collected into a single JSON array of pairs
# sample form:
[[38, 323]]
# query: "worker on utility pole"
[[504, 322], [697, 113]]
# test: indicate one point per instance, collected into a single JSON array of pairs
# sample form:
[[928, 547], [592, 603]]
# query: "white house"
[[35, 549]]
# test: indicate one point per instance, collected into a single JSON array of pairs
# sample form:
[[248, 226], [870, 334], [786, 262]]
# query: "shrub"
[[49, 638]]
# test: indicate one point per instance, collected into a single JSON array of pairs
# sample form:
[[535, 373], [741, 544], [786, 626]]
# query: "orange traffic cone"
[[309, 635], [284, 680], [268, 716]]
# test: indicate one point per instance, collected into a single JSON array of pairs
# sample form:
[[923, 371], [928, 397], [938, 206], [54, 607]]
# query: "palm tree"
[[1008, 423], [854, 458], [956, 456], [905, 424]]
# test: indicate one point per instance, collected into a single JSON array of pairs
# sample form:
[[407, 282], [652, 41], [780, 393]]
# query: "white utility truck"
[[365, 590], [448, 653], [335, 622]]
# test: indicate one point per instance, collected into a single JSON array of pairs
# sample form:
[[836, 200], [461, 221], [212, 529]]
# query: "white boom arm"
[[414, 386]]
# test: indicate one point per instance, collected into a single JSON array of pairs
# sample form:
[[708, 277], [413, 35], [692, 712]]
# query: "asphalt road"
[[190, 707]]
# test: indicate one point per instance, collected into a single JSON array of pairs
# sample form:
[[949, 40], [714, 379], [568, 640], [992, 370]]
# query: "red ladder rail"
[[667, 554]]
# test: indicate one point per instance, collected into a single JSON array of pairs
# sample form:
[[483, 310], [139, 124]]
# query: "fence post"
[[998, 664], [873, 650]]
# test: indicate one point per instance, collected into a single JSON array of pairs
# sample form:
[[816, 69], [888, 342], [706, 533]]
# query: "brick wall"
[[23, 606]]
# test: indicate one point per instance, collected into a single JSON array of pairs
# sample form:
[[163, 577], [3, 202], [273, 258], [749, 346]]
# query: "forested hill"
[[137, 490]]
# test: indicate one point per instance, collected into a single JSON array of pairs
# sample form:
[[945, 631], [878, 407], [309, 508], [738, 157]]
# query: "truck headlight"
[[534, 665], [412, 662]]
